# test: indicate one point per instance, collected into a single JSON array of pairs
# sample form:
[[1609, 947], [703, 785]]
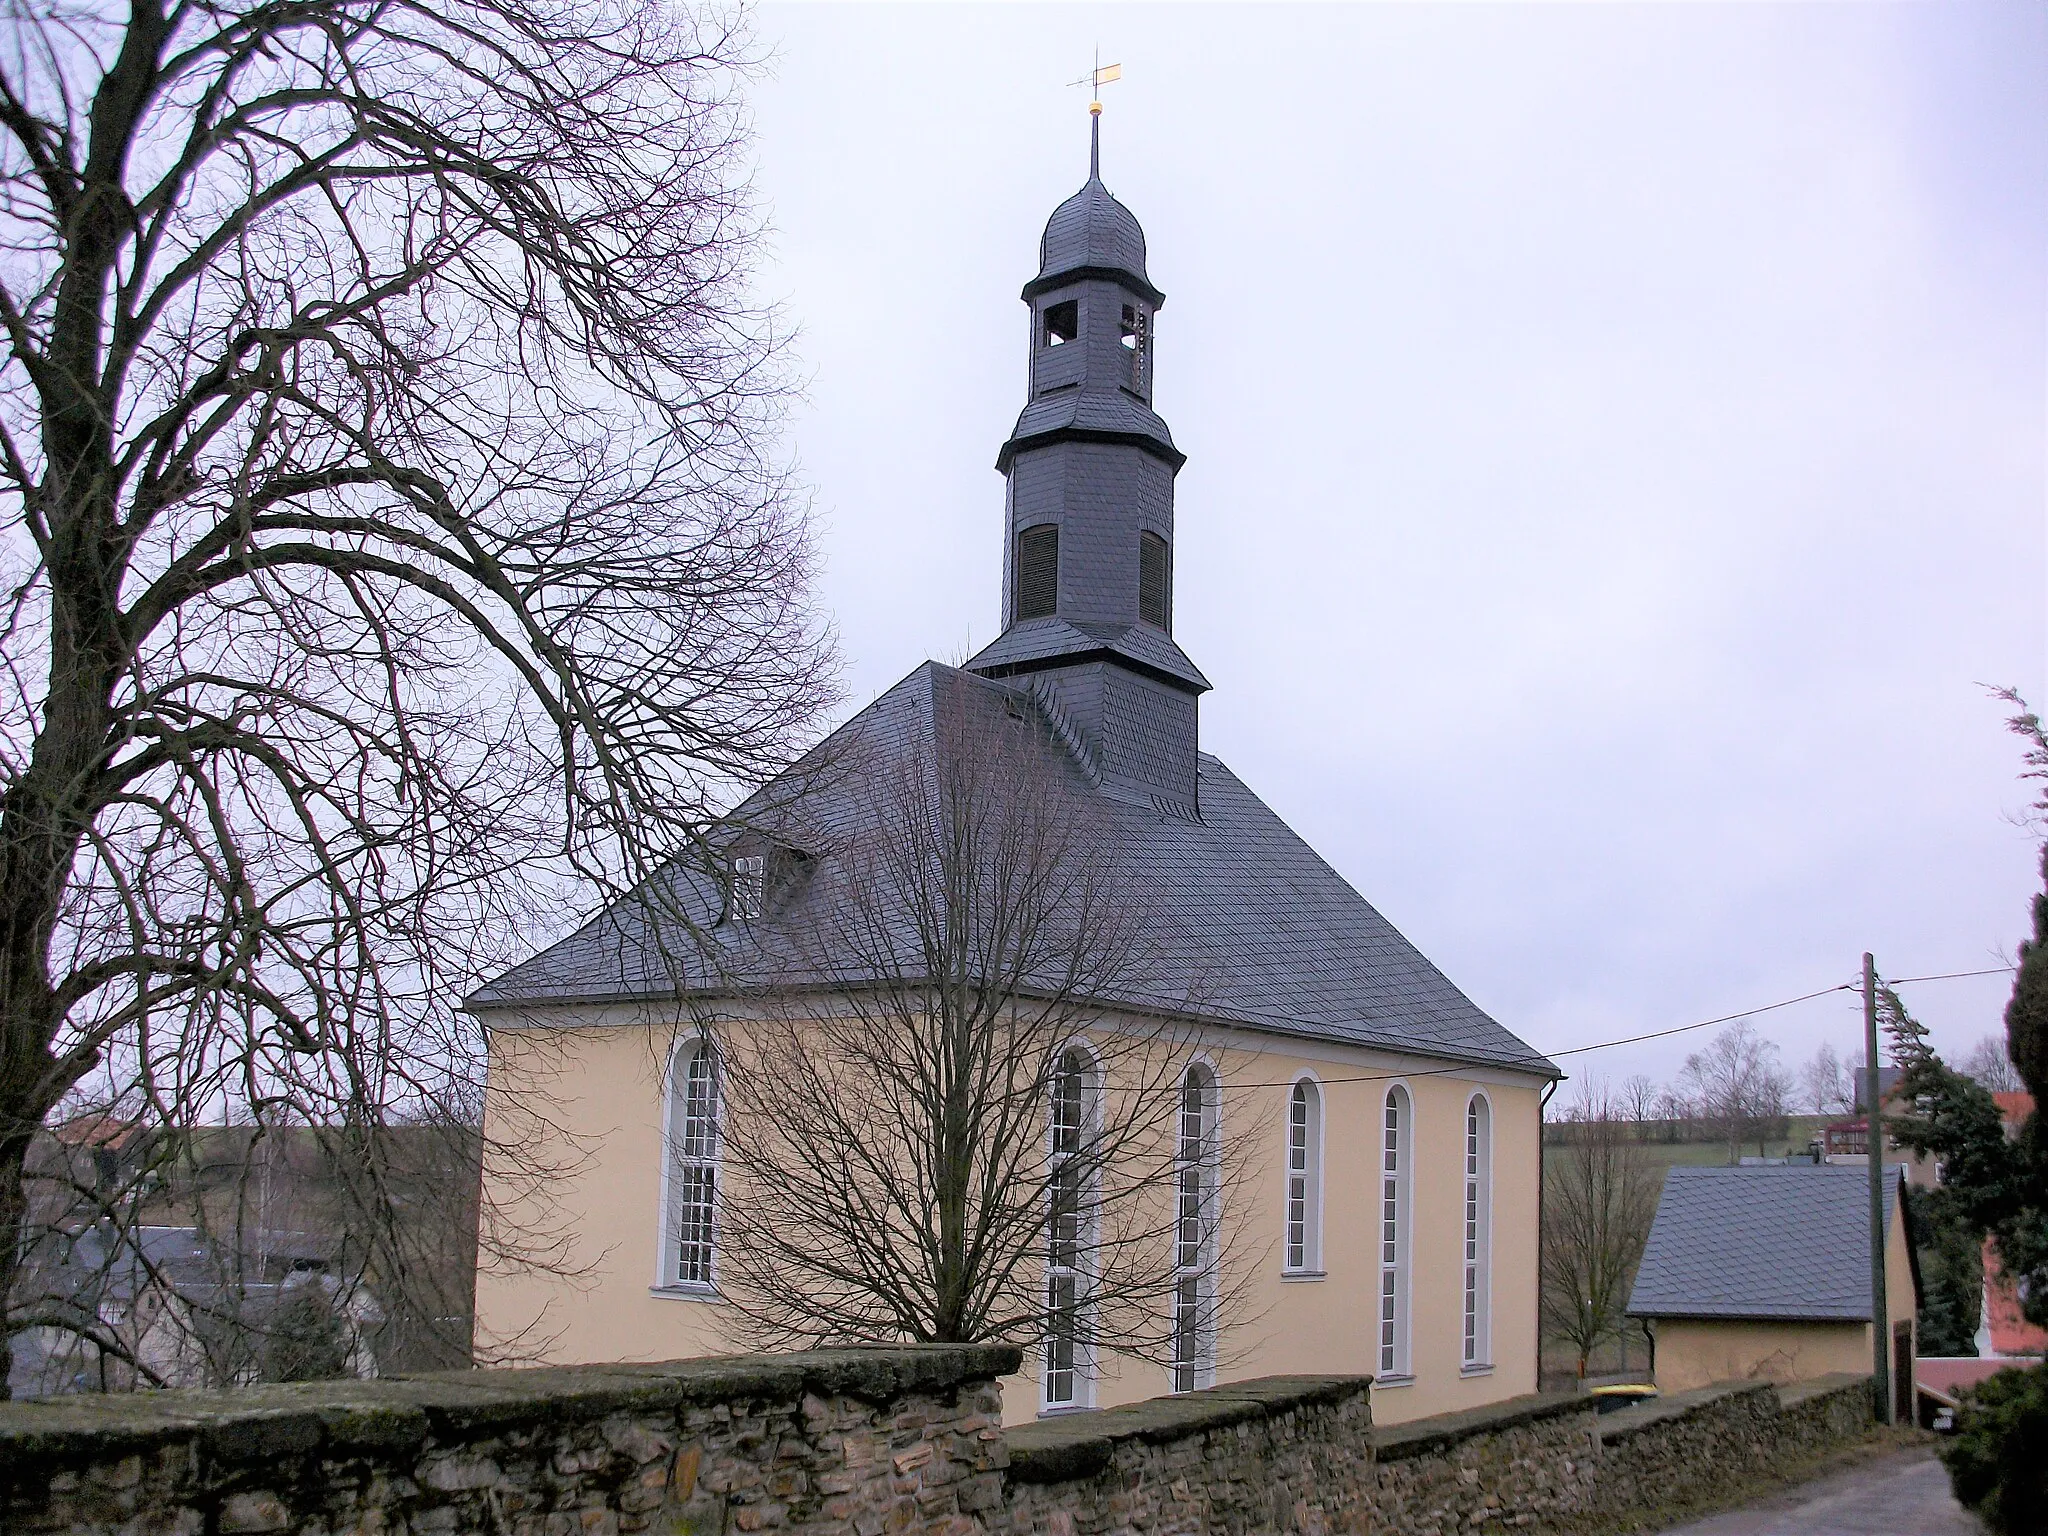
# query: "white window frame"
[[1301, 1251], [1394, 1192], [1070, 1387], [1475, 1132], [684, 1156], [749, 886], [1196, 1164]]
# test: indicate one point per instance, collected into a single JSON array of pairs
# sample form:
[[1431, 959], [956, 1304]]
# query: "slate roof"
[[1041, 640], [1790, 1243], [92, 1265], [1092, 229], [1249, 925], [1098, 414]]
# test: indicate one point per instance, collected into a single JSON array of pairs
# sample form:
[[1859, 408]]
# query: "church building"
[[1390, 1228]]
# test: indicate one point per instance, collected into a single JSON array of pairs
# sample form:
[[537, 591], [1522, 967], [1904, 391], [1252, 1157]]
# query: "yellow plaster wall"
[[1331, 1325], [1696, 1352], [1902, 1302], [593, 1096]]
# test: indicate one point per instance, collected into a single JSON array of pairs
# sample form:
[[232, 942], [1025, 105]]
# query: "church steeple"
[[1088, 560]]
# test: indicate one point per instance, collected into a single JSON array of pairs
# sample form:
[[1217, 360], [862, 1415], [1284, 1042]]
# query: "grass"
[[1800, 1129]]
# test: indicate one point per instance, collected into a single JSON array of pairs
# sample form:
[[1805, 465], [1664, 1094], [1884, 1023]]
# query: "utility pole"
[[1873, 1124]]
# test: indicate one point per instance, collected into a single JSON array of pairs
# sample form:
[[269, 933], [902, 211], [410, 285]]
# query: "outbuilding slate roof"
[[1787, 1243], [1251, 925]]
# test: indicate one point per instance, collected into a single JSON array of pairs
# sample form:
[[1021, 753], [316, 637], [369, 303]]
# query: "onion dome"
[[1092, 234]]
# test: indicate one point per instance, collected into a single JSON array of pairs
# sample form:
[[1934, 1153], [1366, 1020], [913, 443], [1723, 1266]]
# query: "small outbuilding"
[[1763, 1273]]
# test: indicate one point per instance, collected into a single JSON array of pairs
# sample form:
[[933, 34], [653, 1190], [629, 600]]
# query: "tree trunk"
[[13, 1222], [46, 810]]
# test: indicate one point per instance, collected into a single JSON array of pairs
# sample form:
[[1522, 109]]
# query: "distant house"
[[171, 1306], [1847, 1142], [1764, 1274]]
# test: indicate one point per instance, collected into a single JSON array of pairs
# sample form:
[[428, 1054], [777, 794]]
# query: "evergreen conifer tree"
[[2026, 1016], [308, 1340], [1998, 1460]]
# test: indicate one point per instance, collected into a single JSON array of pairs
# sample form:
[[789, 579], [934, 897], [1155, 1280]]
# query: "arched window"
[[1305, 1178], [689, 1253], [1038, 572], [1194, 1241], [1396, 1178], [1068, 1379], [1478, 1231]]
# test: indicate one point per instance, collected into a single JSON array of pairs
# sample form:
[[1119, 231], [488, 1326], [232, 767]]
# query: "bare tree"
[[1740, 1087], [392, 536], [1827, 1084], [1992, 1067], [971, 1139], [1638, 1103], [1600, 1197], [1676, 1111]]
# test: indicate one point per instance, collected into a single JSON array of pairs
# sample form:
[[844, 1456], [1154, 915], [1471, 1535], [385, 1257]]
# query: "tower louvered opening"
[[1154, 572], [1038, 571], [1136, 335]]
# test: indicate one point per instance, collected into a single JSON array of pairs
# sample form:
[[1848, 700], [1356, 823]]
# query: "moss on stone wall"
[[882, 1442]]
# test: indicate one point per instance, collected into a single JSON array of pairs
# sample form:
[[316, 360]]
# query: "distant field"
[[1800, 1129]]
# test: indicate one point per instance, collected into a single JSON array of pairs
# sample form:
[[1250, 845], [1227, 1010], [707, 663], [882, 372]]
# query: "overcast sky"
[[1615, 438]]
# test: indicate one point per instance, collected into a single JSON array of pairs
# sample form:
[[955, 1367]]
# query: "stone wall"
[[1530, 1460], [1297, 1457], [1279, 1454], [899, 1442], [895, 1442]]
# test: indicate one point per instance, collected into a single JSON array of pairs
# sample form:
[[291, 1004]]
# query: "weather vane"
[[1095, 80]]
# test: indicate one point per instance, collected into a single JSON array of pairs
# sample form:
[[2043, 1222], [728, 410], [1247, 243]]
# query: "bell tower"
[[1089, 537]]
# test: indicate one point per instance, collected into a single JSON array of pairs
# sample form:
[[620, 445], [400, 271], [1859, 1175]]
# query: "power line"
[[1577, 1050], [1900, 981], [1726, 1018], [1658, 1034]]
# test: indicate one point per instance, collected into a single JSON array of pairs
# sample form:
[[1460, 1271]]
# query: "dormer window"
[[1062, 323], [749, 887], [1038, 571], [770, 875], [1155, 573], [1136, 336]]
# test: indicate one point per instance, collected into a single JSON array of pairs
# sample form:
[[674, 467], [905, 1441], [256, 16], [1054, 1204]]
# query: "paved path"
[[1904, 1495]]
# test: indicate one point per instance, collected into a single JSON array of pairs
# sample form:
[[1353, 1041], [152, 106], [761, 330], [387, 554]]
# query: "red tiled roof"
[[2015, 1107], [2011, 1333], [97, 1131], [1944, 1377]]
